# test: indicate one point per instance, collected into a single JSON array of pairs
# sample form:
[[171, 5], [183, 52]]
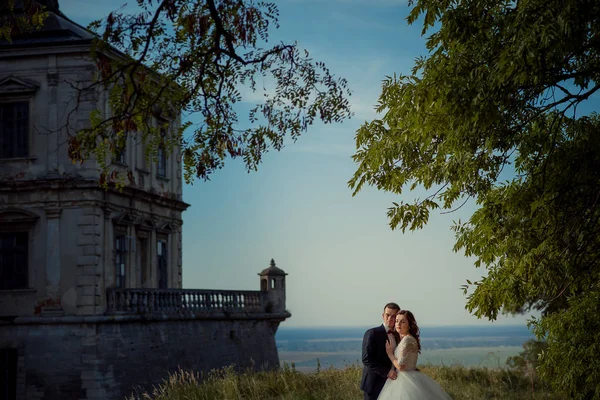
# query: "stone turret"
[[272, 281]]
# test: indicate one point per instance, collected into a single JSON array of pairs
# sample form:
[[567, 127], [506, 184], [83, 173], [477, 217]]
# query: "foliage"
[[496, 112], [287, 383], [528, 361], [11, 22], [573, 346], [529, 358], [200, 57]]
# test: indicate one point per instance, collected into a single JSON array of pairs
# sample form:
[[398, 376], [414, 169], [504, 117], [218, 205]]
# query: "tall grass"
[[287, 384]]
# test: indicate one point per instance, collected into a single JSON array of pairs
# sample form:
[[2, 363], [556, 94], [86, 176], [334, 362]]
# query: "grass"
[[289, 384]]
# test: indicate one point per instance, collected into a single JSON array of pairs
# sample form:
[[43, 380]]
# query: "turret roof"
[[273, 270]]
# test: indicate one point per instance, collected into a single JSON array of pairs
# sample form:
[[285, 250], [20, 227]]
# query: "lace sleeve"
[[408, 345]]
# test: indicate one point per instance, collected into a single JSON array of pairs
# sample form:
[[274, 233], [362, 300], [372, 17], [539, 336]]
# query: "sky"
[[343, 261]]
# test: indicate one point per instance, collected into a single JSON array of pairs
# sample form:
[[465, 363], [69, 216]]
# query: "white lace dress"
[[411, 384]]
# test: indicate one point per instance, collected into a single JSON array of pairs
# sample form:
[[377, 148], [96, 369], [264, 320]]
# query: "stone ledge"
[[88, 239], [111, 319], [17, 159], [91, 231], [18, 291], [92, 211], [87, 260], [70, 189]]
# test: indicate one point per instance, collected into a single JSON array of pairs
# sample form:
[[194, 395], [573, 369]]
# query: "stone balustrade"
[[175, 301]]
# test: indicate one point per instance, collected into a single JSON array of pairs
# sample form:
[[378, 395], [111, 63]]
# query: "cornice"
[[83, 46], [159, 317], [62, 185]]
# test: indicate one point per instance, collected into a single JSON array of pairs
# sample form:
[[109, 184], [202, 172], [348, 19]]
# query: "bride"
[[410, 384]]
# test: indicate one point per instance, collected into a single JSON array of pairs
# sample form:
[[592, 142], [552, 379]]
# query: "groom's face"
[[389, 317]]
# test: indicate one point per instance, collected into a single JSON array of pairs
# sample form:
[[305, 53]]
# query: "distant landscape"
[[467, 346]]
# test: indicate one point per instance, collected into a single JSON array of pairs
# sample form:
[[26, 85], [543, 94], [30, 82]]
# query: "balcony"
[[186, 302]]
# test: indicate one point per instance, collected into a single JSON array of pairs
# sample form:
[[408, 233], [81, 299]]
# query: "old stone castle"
[[91, 298]]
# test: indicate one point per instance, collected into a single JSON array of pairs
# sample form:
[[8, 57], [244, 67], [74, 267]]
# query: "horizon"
[[420, 326]]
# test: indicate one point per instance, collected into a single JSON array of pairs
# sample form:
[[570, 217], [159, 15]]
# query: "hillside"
[[287, 384]]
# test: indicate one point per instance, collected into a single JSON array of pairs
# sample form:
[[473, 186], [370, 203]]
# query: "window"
[[161, 166], [142, 259], [120, 155], [14, 129], [141, 153], [121, 250], [161, 156], [163, 281], [8, 374], [13, 260]]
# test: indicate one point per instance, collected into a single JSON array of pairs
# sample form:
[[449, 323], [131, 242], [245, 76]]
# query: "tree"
[[496, 113], [528, 360], [195, 57]]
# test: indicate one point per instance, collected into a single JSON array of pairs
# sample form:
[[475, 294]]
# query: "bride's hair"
[[412, 324]]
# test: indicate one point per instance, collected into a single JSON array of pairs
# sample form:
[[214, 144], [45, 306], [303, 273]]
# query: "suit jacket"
[[375, 360]]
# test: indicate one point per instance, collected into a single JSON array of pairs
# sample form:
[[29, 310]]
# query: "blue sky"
[[344, 262]]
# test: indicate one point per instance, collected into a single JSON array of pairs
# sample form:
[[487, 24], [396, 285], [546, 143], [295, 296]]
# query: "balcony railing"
[[173, 301]]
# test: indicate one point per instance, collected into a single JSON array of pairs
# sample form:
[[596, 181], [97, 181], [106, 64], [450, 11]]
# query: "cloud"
[[84, 11], [362, 24], [325, 149], [264, 86], [363, 109]]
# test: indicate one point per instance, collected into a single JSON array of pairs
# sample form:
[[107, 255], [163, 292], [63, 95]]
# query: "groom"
[[377, 365]]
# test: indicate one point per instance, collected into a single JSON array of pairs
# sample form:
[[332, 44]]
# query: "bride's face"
[[402, 326]]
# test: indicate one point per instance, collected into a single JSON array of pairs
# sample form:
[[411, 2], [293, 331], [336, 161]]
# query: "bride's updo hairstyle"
[[413, 328]]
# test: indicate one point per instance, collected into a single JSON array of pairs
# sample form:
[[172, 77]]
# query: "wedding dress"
[[411, 384]]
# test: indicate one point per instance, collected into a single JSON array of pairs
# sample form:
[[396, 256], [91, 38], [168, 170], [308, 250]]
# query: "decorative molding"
[[167, 228], [73, 185], [124, 219], [53, 212], [12, 85], [52, 79], [17, 215], [145, 224]]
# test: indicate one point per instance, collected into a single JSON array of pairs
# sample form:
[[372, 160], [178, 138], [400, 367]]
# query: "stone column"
[[53, 136], [153, 260], [179, 280], [53, 304]]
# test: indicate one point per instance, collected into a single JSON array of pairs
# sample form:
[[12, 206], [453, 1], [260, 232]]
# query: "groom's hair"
[[393, 306]]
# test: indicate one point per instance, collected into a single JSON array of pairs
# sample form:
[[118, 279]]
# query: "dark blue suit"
[[376, 362]]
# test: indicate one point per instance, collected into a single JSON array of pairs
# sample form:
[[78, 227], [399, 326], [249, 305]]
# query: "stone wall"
[[107, 357]]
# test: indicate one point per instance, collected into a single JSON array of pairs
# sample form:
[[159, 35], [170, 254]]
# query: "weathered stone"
[[87, 280], [141, 353], [87, 220], [86, 240], [92, 230], [87, 260]]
